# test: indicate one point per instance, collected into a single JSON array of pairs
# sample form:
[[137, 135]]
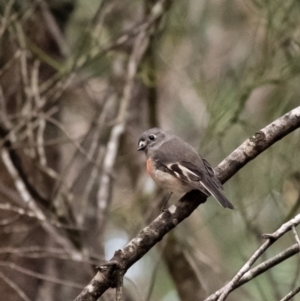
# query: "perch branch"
[[166, 221]]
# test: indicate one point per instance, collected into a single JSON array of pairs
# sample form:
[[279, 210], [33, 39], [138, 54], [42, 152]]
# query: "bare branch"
[[40, 252], [258, 270], [22, 212], [29, 201], [6, 17], [224, 292], [266, 265], [296, 235], [38, 275], [259, 142], [54, 28], [290, 295], [284, 228], [76, 144], [14, 287], [139, 48], [59, 82]]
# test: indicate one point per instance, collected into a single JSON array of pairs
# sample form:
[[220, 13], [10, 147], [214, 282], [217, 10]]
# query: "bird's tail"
[[215, 191]]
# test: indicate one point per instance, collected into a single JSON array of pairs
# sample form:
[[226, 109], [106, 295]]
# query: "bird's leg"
[[163, 208]]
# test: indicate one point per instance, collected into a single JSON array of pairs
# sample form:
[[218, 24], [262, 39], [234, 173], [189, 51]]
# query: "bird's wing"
[[180, 159], [208, 180], [199, 178]]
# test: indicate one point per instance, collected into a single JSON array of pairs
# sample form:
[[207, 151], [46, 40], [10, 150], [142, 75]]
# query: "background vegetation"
[[81, 80]]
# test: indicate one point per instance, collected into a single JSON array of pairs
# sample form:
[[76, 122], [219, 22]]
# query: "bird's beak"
[[142, 145]]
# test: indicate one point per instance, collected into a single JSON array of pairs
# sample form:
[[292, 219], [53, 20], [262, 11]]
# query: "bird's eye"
[[152, 137]]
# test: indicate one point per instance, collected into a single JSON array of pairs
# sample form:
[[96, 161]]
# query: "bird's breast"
[[170, 182]]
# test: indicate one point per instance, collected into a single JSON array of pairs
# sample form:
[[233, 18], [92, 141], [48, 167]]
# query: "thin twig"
[[22, 212], [10, 220], [246, 267], [266, 265], [103, 197], [94, 175], [29, 201], [40, 252], [20, 269], [6, 67], [271, 238], [291, 294], [296, 235], [76, 144], [258, 270], [59, 82], [6, 17], [15, 287], [54, 28], [284, 228]]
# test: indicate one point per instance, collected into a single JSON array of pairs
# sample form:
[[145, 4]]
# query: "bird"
[[177, 167]]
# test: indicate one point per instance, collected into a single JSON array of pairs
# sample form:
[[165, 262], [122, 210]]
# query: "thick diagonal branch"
[[148, 237]]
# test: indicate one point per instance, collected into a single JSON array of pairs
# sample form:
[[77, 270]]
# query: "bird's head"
[[150, 139]]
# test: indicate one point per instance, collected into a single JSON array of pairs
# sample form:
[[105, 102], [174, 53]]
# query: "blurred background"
[[81, 80]]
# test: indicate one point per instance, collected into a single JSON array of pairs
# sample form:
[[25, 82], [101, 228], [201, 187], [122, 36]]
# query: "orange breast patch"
[[149, 165]]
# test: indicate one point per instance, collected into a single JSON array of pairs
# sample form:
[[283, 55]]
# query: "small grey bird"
[[177, 167]]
